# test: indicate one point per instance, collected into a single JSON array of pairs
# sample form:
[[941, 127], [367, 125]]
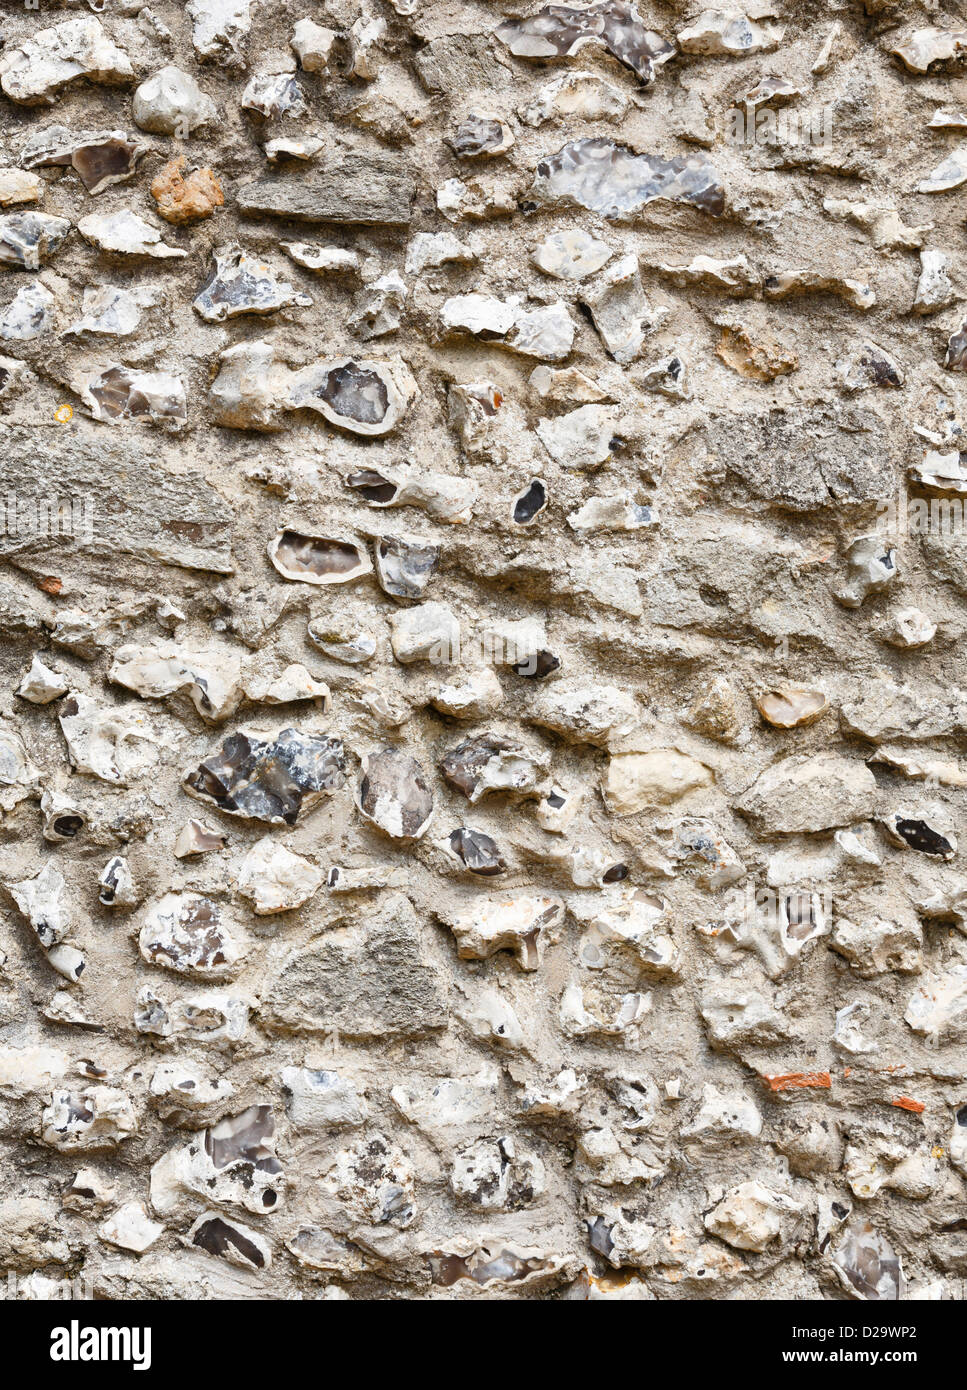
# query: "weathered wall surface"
[[482, 696]]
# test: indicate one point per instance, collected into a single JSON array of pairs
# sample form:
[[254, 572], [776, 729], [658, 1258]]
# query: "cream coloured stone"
[[40, 684], [810, 793], [20, 186], [751, 1216], [170, 102], [635, 781], [274, 879], [130, 1228]]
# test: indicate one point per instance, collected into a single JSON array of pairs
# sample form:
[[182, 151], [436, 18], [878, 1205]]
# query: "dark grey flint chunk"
[[378, 983], [270, 782], [364, 188], [559, 31]]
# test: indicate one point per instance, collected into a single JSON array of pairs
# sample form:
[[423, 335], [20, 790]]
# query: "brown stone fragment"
[[188, 199], [760, 359]]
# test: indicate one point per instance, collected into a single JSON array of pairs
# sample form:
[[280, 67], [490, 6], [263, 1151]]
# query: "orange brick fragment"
[[905, 1103], [795, 1080]]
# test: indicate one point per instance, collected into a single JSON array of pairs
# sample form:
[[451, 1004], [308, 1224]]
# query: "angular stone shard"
[[343, 642], [219, 29], [295, 683], [394, 794], [751, 1216], [928, 48], [318, 1100], [951, 173], [251, 388], [510, 924], [404, 568], [276, 880], [734, 276], [912, 830], [613, 180], [230, 1240], [444, 498], [497, 1175], [351, 187], [105, 742], [95, 1117], [546, 332], [869, 366], [529, 503], [126, 234], [116, 885], [211, 1017], [41, 66], [273, 781], [378, 309], [583, 711], [325, 260], [40, 685], [866, 1263], [560, 31], [582, 439], [184, 932], [955, 358], [244, 285], [725, 34], [874, 944], [479, 136], [27, 239], [870, 567], [116, 393], [621, 313], [571, 255], [29, 315], [491, 763], [233, 1163], [577, 96], [791, 706], [938, 1006], [112, 312], [786, 283], [313, 45], [273, 95], [934, 289], [40, 901], [99, 157], [635, 781], [130, 1228], [17, 187], [477, 852], [212, 679], [195, 838]]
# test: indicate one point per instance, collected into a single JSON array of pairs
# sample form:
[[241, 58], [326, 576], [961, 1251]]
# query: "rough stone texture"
[[567, 974]]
